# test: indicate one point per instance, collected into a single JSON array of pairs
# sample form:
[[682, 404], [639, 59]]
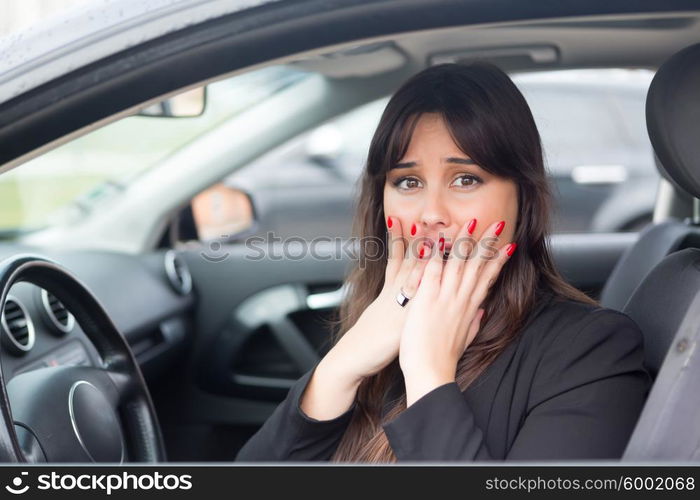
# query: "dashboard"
[[149, 297]]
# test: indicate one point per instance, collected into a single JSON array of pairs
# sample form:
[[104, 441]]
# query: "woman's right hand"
[[373, 341]]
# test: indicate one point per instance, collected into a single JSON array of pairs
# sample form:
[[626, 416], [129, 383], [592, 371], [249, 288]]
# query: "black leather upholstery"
[[662, 301], [673, 123], [655, 242], [666, 302], [673, 118], [667, 307]]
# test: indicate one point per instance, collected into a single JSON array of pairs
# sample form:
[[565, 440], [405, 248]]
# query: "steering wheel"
[[76, 413]]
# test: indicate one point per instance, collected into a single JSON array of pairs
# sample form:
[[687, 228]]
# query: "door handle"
[[326, 300]]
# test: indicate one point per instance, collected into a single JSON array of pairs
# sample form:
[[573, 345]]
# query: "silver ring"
[[402, 298]]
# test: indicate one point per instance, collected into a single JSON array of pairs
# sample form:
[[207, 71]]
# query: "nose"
[[435, 215]]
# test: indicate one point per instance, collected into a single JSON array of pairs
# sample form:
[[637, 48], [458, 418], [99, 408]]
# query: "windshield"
[[70, 181]]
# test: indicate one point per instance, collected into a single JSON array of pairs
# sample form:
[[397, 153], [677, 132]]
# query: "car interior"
[[192, 342]]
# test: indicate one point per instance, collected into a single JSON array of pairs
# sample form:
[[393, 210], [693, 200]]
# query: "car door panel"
[[262, 323]]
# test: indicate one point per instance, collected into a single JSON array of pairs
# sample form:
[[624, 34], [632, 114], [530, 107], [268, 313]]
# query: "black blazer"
[[571, 386]]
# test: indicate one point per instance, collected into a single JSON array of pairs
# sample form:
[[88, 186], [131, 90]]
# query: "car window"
[[597, 151], [305, 188], [633, 117], [576, 126], [592, 128], [75, 179]]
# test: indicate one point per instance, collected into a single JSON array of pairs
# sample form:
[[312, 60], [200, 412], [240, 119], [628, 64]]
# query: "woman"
[[453, 345]]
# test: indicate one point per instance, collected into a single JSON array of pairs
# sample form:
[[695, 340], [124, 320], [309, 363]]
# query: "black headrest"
[[673, 118]]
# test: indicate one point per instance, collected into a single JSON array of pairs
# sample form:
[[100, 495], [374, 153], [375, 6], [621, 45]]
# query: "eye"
[[466, 180], [406, 183]]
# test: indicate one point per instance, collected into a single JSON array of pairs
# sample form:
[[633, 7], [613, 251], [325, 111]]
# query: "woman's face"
[[438, 187]]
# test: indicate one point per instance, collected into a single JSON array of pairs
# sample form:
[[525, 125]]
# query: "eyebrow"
[[449, 159]]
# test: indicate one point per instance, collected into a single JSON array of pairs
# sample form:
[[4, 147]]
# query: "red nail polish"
[[389, 223], [472, 226], [413, 230], [422, 251], [500, 227], [442, 243], [511, 249]]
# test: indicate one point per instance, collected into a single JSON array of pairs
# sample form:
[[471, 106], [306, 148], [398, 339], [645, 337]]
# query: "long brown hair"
[[490, 121]]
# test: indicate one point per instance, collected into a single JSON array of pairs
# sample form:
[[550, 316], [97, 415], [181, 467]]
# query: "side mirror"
[[221, 212], [188, 104]]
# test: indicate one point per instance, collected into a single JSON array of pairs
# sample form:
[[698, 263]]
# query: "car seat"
[[662, 274]]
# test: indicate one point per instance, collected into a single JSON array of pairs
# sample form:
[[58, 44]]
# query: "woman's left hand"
[[445, 313]]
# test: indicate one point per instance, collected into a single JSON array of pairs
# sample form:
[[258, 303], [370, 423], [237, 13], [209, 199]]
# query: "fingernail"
[[511, 249], [442, 243], [472, 226], [413, 229], [500, 227], [422, 251], [389, 223]]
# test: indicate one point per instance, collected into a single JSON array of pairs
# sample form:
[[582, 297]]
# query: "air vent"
[[17, 327], [60, 319], [178, 273]]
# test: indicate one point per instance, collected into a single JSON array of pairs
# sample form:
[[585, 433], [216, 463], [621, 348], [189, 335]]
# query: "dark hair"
[[491, 122]]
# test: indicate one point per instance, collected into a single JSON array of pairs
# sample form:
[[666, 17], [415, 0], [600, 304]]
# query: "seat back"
[[666, 306], [662, 303], [654, 244], [666, 302]]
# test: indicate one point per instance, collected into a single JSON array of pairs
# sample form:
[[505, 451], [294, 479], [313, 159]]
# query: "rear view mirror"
[[188, 104]]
